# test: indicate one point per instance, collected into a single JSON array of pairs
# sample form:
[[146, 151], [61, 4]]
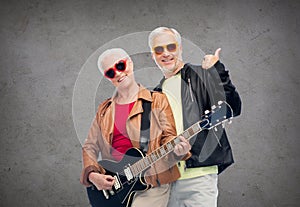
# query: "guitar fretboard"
[[165, 149]]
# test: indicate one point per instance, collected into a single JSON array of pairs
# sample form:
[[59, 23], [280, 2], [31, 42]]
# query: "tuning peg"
[[206, 111], [213, 107], [220, 102]]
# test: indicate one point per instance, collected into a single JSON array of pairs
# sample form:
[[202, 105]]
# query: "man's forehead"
[[165, 36]]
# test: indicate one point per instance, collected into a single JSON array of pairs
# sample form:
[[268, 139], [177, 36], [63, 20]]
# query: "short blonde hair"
[[110, 52], [161, 30]]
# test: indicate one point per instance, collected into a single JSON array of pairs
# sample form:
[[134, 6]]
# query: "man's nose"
[[166, 53]]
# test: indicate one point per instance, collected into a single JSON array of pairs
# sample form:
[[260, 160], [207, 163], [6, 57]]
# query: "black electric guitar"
[[129, 172]]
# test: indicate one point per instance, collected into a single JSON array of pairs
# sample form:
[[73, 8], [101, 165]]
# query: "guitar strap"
[[145, 126]]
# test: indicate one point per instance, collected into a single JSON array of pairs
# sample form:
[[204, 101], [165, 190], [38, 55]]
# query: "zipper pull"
[[190, 87]]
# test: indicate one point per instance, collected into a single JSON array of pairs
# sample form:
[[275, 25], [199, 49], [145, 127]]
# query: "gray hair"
[[161, 30], [110, 52]]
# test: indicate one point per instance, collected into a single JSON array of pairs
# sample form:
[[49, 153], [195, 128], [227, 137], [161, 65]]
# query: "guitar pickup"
[[128, 174], [117, 183]]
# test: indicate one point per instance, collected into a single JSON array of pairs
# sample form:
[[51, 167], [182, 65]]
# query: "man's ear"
[[152, 56]]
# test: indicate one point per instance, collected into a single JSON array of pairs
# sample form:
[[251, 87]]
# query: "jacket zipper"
[[190, 87]]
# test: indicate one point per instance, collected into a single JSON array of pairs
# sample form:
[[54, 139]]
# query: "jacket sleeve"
[[90, 152], [231, 95]]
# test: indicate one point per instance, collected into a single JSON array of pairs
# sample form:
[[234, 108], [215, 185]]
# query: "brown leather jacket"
[[162, 129]]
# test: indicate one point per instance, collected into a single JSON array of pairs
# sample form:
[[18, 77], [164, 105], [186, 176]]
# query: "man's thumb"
[[217, 53]]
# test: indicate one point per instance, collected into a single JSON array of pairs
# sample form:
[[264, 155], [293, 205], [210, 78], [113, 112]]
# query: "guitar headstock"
[[218, 115]]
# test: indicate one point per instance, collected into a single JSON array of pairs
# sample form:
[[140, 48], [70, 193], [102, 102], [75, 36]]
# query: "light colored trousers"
[[154, 197], [201, 191]]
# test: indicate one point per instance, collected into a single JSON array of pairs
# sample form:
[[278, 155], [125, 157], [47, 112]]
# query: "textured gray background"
[[44, 45]]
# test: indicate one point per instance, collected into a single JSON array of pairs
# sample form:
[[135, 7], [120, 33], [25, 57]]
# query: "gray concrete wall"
[[44, 45]]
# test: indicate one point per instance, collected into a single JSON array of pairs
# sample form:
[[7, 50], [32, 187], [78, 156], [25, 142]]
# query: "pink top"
[[121, 142]]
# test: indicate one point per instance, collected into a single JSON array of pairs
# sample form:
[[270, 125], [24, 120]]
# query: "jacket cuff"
[[187, 156], [219, 66], [182, 157]]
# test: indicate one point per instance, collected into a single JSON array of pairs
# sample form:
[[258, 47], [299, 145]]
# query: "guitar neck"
[[166, 148]]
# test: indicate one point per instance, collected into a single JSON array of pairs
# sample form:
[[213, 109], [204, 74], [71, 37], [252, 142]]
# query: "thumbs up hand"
[[209, 60]]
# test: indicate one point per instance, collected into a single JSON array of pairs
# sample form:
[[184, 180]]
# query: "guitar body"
[[124, 189], [129, 172]]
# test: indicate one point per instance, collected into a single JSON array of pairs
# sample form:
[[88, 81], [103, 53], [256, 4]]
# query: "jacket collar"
[[144, 94], [182, 71]]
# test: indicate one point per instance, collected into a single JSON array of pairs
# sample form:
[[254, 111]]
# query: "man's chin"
[[167, 70]]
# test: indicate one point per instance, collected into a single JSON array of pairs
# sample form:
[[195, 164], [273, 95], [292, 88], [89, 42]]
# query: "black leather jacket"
[[200, 90]]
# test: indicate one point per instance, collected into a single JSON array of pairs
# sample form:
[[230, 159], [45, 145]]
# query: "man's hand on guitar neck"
[[182, 147], [101, 181]]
